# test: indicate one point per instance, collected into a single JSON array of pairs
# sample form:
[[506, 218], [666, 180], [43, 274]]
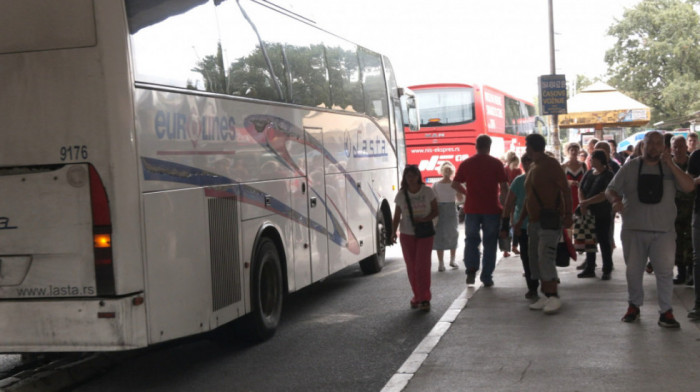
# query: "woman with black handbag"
[[417, 232], [592, 198]]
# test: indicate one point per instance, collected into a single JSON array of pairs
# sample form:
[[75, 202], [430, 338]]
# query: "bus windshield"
[[445, 106]]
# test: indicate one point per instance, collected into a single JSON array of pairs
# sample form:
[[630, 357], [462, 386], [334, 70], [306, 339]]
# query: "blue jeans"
[[474, 224]]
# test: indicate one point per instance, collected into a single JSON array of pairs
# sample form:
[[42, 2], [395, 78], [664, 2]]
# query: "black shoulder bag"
[[550, 219], [421, 229], [650, 187]]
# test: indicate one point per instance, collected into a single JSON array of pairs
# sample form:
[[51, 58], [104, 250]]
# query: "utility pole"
[[556, 144]]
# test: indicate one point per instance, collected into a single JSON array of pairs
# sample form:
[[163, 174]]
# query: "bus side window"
[[248, 73], [374, 86], [306, 59], [344, 72], [174, 47], [513, 115], [528, 114]]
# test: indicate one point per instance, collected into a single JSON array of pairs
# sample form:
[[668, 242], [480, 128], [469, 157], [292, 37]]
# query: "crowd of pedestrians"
[[536, 200]]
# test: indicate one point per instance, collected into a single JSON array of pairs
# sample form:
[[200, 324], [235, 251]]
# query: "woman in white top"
[[446, 233], [416, 250]]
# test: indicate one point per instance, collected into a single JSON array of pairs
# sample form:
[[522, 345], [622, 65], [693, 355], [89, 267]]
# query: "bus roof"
[[439, 85]]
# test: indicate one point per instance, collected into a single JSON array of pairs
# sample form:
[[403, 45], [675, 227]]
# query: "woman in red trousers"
[[416, 251]]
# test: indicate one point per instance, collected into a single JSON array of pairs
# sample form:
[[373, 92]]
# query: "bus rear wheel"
[[267, 290], [375, 263]]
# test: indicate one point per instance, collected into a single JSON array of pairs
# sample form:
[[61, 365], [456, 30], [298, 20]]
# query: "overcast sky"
[[502, 43]]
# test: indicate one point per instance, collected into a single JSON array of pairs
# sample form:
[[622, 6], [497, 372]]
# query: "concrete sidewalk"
[[496, 343]]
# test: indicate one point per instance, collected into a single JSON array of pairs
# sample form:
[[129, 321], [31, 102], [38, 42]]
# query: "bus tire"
[[375, 263], [267, 290]]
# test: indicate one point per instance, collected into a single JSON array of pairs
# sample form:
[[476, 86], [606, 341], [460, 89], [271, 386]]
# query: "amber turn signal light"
[[102, 240]]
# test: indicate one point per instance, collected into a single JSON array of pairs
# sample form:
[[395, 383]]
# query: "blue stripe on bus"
[[159, 170]]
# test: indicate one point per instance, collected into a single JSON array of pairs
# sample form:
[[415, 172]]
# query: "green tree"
[[212, 70], [581, 83], [656, 58], [250, 76]]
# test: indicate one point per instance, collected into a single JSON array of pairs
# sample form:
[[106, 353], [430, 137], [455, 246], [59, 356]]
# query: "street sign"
[[552, 94]]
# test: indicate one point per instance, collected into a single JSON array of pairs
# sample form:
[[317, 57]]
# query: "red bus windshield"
[[446, 106]]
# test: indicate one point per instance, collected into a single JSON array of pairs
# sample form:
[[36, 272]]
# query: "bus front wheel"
[[267, 290]]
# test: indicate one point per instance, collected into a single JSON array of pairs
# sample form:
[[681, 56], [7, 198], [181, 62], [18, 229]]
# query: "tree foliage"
[[656, 58], [313, 75], [581, 82]]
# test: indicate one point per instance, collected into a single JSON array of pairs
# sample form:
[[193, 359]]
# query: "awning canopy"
[[600, 105]]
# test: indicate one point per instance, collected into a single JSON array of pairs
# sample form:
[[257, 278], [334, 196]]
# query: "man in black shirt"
[[694, 171]]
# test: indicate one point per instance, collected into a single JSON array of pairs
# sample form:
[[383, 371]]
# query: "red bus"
[[452, 116]]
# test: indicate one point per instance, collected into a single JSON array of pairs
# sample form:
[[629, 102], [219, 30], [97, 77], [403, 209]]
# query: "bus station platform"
[[489, 340]]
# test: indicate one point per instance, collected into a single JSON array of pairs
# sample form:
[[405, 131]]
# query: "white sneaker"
[[539, 304], [453, 264], [552, 306]]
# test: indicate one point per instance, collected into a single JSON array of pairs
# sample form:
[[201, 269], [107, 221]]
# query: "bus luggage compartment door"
[[46, 244], [178, 285]]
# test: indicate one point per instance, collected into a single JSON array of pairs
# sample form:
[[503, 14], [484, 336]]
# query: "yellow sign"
[[609, 118]]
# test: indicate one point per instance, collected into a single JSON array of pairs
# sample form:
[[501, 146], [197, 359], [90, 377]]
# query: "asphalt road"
[[350, 332]]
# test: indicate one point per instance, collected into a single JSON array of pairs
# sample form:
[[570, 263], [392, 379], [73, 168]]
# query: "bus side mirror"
[[409, 110], [541, 126]]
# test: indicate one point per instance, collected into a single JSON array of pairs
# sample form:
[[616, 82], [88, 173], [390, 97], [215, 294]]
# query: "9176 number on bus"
[[74, 153]]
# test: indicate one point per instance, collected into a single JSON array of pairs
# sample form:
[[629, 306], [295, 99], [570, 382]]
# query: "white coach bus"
[[167, 167]]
